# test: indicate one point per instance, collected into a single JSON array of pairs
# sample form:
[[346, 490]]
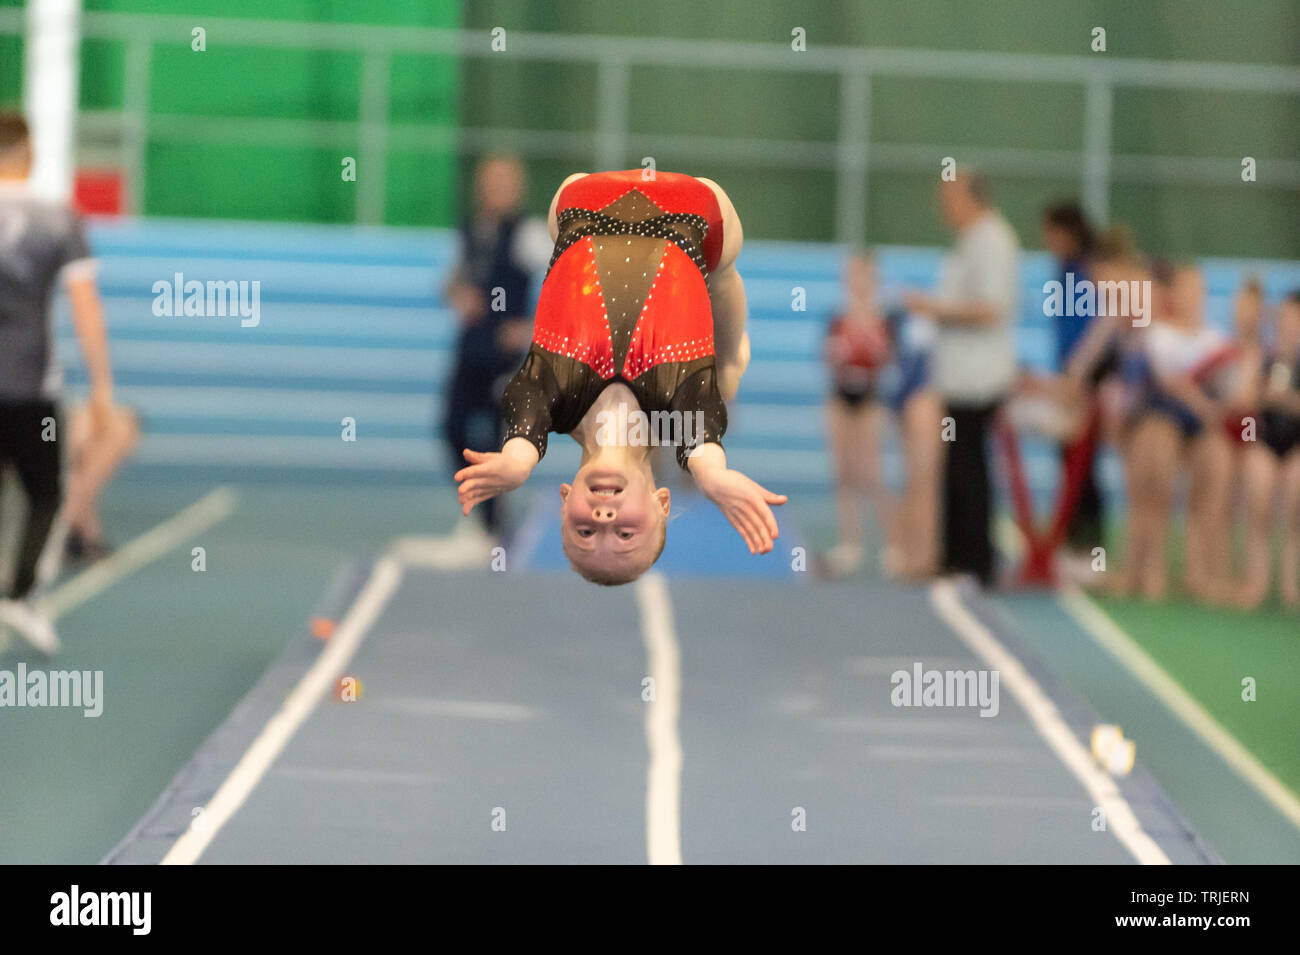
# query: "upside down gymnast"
[[642, 310]]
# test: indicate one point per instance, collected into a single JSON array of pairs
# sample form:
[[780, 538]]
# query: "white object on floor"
[[31, 624], [468, 546]]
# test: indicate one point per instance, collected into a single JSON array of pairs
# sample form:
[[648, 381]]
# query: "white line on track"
[[315, 683], [664, 774], [204, 513], [1047, 720], [1111, 637], [1098, 625]]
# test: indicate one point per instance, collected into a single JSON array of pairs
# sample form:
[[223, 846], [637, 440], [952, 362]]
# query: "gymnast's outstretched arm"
[[495, 472], [527, 406], [744, 502]]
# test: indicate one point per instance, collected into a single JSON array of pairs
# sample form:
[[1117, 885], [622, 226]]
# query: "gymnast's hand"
[[747, 505], [744, 502], [495, 472]]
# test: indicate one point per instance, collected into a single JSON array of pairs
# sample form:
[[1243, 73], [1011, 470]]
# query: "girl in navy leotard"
[[1177, 426], [1272, 464]]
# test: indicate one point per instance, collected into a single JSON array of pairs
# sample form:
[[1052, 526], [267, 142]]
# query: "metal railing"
[[853, 155]]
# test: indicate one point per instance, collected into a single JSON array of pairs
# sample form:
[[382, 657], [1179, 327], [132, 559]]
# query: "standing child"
[[1180, 421], [857, 348], [1273, 464], [1069, 236]]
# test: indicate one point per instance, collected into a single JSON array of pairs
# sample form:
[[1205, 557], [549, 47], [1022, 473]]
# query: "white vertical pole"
[[612, 79], [1097, 108], [52, 76], [372, 158], [135, 106], [852, 157]]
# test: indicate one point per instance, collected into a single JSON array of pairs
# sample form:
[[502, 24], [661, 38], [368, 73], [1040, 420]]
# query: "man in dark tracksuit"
[[499, 252], [40, 243]]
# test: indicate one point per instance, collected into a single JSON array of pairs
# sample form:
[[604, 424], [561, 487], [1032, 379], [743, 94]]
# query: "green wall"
[[226, 177], [11, 62], [1234, 219], [234, 179]]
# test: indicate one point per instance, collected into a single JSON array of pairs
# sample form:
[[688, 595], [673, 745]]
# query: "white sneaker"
[[471, 541], [31, 624], [468, 546]]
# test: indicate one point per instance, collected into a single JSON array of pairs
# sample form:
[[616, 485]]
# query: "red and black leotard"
[[624, 300]]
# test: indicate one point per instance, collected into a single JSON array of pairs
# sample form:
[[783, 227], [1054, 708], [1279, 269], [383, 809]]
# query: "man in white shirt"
[[974, 361]]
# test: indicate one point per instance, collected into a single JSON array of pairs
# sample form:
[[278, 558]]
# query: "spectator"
[[857, 348], [974, 362], [1178, 427], [1117, 335], [1273, 464], [94, 456], [1069, 236], [919, 409], [40, 244], [500, 250]]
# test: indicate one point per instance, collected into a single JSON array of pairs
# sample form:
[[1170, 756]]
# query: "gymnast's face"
[[612, 522]]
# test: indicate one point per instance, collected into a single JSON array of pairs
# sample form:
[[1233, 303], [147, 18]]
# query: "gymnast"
[[642, 310]]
